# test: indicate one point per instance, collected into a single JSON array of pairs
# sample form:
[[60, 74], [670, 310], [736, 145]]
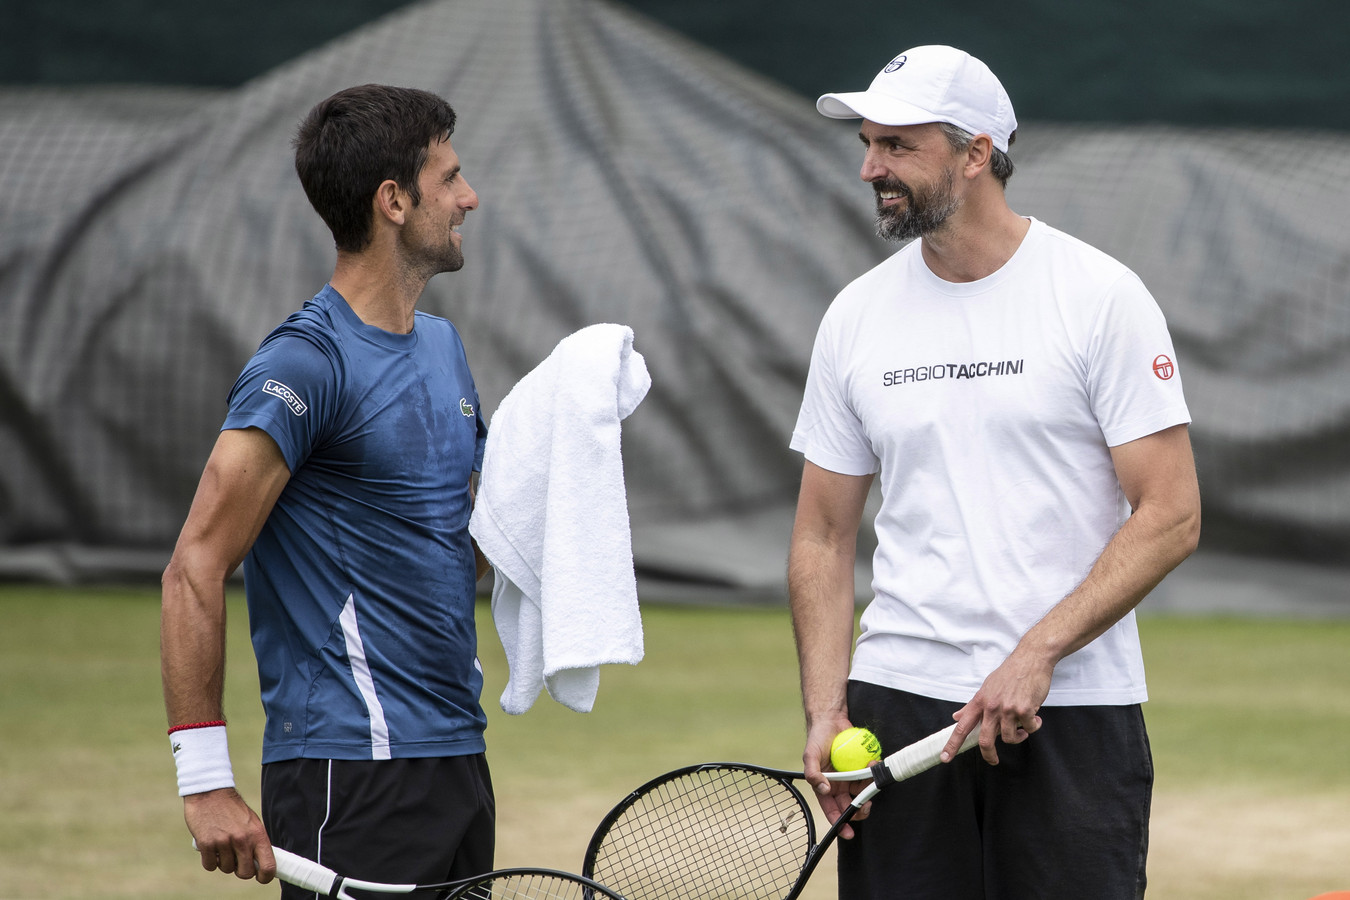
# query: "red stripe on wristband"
[[214, 724]]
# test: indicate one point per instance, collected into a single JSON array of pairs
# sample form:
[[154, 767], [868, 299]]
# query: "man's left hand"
[[1005, 707]]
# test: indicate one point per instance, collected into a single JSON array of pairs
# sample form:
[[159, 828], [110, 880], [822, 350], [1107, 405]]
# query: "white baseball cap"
[[932, 83]]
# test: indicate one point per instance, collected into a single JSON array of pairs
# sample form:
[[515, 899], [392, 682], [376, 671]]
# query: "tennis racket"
[[729, 830], [503, 884]]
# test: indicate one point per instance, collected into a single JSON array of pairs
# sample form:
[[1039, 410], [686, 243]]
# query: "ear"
[[979, 154], [390, 202]]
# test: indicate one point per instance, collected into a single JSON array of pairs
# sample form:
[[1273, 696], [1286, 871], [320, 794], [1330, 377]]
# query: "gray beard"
[[923, 214]]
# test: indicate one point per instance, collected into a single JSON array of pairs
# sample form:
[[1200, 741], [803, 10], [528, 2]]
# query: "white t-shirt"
[[988, 407]]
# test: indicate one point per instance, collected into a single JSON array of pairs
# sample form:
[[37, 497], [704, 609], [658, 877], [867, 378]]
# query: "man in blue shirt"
[[342, 479]]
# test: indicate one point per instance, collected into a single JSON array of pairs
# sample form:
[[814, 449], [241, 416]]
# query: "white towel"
[[552, 518]]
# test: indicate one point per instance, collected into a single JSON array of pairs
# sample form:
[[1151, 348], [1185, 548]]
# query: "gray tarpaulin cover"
[[149, 239]]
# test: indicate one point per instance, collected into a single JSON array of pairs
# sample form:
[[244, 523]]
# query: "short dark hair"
[[358, 138], [999, 162]]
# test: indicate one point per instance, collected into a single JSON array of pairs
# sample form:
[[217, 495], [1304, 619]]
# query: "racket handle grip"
[[921, 755], [295, 869], [305, 873]]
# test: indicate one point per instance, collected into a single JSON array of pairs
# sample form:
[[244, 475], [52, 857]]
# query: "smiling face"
[[914, 171], [430, 238]]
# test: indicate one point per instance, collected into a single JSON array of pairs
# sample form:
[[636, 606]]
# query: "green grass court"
[[1250, 721]]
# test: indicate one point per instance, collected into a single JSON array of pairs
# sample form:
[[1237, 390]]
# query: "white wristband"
[[202, 756]]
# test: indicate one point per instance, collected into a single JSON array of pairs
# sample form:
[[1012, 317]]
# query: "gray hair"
[[999, 163]]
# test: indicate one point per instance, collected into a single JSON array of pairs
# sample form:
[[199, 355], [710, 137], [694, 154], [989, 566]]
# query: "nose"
[[470, 199], [872, 170]]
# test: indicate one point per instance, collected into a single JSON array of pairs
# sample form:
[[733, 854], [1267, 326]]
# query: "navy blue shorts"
[[1063, 815], [397, 820]]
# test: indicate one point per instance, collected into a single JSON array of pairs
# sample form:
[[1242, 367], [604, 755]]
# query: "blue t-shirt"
[[361, 585]]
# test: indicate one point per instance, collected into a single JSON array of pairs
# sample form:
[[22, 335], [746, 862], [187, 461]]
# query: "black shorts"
[[397, 820], [1063, 815]]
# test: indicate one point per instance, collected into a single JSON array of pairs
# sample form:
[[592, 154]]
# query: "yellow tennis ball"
[[854, 748]]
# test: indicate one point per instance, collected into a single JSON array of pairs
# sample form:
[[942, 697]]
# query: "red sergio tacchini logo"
[[1163, 367]]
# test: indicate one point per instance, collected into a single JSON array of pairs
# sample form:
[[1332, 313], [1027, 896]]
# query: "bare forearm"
[[820, 594], [820, 586], [192, 647]]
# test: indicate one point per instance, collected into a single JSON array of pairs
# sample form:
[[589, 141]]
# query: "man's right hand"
[[229, 835], [833, 796]]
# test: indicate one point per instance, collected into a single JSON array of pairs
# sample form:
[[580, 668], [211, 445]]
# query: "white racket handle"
[[923, 754], [295, 869], [305, 873], [919, 756]]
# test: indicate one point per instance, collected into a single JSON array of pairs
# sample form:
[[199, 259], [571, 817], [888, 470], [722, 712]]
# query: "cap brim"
[[874, 107]]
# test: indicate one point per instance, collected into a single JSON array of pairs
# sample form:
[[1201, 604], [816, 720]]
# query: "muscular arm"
[[242, 480], [821, 597], [1157, 474]]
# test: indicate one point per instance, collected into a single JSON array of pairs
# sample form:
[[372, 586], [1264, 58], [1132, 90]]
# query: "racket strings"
[[706, 835], [528, 886]]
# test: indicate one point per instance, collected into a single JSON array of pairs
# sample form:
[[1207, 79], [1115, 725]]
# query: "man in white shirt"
[[1018, 392]]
